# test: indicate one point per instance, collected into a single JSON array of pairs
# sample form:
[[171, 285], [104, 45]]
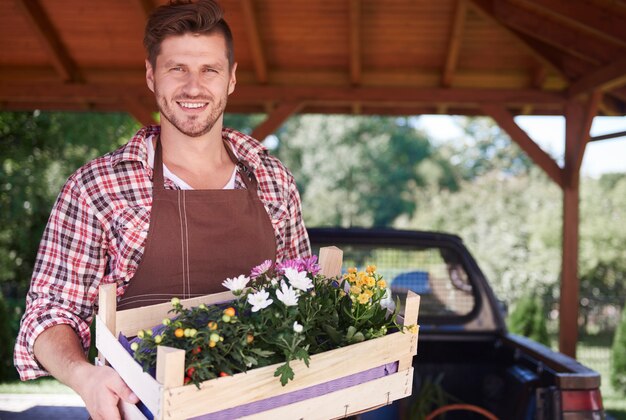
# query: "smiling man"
[[174, 212]]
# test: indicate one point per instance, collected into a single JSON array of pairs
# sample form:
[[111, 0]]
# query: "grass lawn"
[[594, 351], [36, 386]]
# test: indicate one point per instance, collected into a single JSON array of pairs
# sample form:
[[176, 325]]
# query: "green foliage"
[[529, 319], [355, 171], [618, 357], [38, 151]]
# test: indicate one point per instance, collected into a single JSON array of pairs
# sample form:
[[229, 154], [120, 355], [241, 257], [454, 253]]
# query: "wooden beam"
[[608, 136], [486, 10], [605, 78], [254, 39], [594, 20], [142, 113], [589, 113], [542, 159], [275, 119], [50, 40], [549, 31], [538, 76], [454, 43], [569, 300], [355, 41], [93, 92]]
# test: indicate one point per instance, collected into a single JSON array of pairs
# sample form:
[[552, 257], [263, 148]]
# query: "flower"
[[310, 265], [261, 269], [387, 301], [298, 279], [297, 327], [259, 300], [287, 295], [284, 265], [236, 284]]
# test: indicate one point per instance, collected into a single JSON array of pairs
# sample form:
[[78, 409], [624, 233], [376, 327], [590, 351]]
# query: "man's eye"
[[177, 69]]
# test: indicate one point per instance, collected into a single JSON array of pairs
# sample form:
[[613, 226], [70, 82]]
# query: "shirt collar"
[[247, 148]]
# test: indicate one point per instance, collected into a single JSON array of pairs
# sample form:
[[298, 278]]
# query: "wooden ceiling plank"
[[605, 78], [145, 7], [505, 120], [454, 44], [254, 39], [355, 42], [486, 10], [595, 20], [565, 38], [275, 119], [50, 40]]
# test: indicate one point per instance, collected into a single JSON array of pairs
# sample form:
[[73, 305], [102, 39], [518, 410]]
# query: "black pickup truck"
[[465, 353]]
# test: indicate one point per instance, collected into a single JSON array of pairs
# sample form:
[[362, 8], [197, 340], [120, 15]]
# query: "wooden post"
[[107, 305], [331, 259], [170, 366], [411, 311], [568, 306]]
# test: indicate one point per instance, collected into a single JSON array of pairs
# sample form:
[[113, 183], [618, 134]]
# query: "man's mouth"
[[192, 105]]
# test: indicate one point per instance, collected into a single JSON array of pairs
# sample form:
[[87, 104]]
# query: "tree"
[[355, 170], [529, 319], [618, 357]]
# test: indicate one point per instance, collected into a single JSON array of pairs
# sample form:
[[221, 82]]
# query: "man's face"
[[191, 81]]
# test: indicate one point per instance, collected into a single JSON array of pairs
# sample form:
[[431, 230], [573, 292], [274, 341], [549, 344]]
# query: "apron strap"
[[157, 177]]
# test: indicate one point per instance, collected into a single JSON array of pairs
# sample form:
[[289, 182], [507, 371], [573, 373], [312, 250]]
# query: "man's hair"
[[183, 17]]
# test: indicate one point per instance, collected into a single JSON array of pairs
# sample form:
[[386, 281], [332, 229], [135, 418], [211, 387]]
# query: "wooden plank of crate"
[[330, 261], [411, 311], [129, 321], [170, 370], [143, 385], [107, 303], [258, 384], [345, 402]]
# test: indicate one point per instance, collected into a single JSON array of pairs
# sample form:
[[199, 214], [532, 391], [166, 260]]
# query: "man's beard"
[[196, 125]]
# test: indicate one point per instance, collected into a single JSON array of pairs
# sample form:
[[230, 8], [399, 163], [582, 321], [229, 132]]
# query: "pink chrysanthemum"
[[261, 269], [283, 265]]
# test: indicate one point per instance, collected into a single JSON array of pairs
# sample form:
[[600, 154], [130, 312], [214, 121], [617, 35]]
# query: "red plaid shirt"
[[98, 226]]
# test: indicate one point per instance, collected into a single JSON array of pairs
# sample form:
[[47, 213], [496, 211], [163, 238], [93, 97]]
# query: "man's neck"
[[202, 162]]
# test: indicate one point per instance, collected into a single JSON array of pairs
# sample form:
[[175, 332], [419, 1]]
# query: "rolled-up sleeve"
[[70, 263]]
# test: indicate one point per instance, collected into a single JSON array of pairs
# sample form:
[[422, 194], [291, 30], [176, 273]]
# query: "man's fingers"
[[124, 392]]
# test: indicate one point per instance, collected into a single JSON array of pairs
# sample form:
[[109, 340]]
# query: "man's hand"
[[101, 389], [60, 352]]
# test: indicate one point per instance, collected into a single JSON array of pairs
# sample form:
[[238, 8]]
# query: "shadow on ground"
[[46, 412]]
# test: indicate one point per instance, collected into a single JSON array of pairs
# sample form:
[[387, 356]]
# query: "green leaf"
[[351, 332], [285, 372]]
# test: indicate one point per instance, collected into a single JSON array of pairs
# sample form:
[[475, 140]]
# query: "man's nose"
[[193, 84]]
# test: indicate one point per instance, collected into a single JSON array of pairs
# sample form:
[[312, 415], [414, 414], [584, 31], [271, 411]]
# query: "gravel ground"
[[42, 406]]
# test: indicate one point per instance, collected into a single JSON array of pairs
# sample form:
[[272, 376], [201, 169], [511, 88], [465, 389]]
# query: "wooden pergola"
[[499, 58]]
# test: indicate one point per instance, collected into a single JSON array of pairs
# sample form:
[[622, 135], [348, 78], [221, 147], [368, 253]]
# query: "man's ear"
[[149, 75], [233, 79]]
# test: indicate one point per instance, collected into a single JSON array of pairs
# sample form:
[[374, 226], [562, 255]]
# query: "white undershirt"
[[230, 185]]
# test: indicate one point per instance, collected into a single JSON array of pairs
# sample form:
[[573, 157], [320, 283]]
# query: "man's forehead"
[[192, 45]]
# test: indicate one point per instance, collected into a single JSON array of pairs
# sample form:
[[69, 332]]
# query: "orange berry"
[[222, 374], [179, 332], [212, 343], [212, 325], [249, 338], [230, 311]]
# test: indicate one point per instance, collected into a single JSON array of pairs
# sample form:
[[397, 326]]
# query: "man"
[[172, 213]]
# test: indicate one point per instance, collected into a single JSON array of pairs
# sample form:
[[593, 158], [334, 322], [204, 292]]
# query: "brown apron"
[[198, 238]]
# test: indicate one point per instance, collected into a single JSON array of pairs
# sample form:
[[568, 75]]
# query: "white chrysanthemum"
[[298, 279], [297, 327], [387, 301], [236, 284], [259, 300], [287, 295]]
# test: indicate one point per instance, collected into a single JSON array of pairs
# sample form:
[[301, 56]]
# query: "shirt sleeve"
[[296, 237], [70, 263]]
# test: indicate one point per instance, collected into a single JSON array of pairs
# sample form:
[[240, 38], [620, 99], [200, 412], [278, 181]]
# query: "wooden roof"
[[331, 56]]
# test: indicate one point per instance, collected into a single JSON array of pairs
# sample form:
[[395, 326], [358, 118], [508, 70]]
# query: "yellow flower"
[[352, 270], [363, 298], [369, 293], [412, 329], [355, 290], [382, 283], [370, 281], [370, 269]]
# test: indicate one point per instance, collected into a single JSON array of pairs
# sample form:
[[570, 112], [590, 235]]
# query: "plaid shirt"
[[98, 227]]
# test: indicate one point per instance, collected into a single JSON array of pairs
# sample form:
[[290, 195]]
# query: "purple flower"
[[261, 269], [310, 265], [283, 265]]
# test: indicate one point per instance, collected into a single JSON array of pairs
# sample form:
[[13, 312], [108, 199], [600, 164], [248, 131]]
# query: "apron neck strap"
[[246, 175]]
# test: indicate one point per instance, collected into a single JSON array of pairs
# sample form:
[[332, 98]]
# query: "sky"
[[549, 133]]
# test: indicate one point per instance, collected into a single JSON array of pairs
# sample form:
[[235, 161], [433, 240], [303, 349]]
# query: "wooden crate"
[[167, 398]]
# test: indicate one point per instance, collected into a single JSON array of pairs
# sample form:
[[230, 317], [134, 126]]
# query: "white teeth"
[[191, 105]]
